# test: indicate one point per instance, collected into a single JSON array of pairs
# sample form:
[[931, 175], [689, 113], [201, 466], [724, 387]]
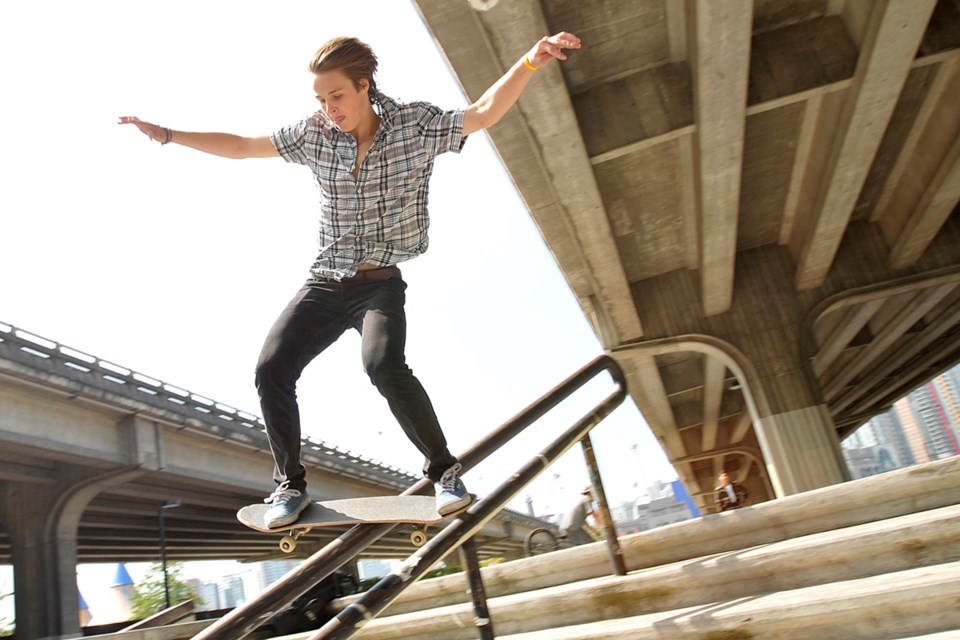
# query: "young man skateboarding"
[[371, 158]]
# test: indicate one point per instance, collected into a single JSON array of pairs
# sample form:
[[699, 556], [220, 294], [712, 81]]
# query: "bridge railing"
[[458, 534], [78, 372]]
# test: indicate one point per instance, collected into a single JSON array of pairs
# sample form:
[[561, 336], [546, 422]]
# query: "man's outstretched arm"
[[497, 100], [225, 145]]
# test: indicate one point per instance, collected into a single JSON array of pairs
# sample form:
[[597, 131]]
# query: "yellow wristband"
[[526, 63]]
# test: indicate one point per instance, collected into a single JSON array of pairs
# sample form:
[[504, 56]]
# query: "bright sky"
[[175, 264]]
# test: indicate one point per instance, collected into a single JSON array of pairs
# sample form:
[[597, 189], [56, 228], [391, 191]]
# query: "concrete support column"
[[794, 428], [43, 521], [801, 450], [26, 509]]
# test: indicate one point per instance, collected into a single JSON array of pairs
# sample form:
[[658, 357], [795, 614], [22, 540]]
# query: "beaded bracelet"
[[168, 135]]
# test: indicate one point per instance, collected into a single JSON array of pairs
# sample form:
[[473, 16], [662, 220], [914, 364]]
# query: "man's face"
[[724, 478], [340, 99]]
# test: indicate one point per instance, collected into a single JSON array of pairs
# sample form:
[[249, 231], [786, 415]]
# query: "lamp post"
[[167, 504]]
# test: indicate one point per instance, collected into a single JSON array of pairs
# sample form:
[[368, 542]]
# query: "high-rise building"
[[207, 592], [947, 387], [231, 592], [934, 421], [889, 433], [911, 430], [273, 570], [922, 426]]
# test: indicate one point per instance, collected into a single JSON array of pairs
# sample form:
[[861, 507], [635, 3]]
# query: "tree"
[[149, 596]]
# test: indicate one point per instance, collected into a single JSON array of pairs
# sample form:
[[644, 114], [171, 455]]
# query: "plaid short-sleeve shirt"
[[380, 218]]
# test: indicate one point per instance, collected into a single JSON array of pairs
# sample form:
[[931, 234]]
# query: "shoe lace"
[[448, 481], [282, 494]]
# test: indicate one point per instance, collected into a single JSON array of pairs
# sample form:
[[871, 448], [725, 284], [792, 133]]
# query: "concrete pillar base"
[[801, 450]]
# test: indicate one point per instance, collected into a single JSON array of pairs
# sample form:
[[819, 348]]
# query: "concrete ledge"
[[917, 601], [173, 615], [170, 632], [890, 495], [927, 538]]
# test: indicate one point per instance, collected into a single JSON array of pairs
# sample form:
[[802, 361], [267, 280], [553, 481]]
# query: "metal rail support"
[[468, 555], [606, 522]]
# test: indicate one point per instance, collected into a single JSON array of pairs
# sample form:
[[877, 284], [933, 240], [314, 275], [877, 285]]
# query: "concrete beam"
[[845, 331], [923, 186], [539, 139], [720, 55], [917, 346], [713, 377], [801, 158], [927, 116], [740, 430], [892, 38], [646, 388], [922, 303], [938, 201]]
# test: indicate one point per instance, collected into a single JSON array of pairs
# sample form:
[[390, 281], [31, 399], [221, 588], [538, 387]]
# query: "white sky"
[[175, 264]]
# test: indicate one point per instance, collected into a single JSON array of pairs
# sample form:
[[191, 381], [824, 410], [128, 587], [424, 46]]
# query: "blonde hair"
[[351, 56]]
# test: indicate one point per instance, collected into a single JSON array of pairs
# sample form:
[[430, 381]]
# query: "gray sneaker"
[[287, 505], [451, 494]]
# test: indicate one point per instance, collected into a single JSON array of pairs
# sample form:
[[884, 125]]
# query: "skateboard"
[[415, 510]]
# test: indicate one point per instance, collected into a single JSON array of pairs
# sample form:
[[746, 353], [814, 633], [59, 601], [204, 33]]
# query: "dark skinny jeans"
[[319, 314]]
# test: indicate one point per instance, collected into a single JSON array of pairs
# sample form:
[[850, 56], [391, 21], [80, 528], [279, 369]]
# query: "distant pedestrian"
[[574, 527], [729, 494]]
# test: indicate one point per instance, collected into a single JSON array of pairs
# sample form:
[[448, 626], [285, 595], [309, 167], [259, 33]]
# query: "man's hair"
[[349, 55]]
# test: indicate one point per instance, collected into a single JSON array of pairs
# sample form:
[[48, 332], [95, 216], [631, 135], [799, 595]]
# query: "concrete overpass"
[[90, 450], [754, 201]]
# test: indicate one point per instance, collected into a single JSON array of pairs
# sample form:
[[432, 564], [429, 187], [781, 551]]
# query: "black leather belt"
[[383, 273]]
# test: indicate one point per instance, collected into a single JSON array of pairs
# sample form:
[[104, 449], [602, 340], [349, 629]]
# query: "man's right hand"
[[152, 131]]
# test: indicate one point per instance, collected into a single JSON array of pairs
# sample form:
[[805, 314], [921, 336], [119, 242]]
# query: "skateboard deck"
[[350, 511]]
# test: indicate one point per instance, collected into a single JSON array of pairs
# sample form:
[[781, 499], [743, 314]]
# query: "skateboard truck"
[[288, 543], [419, 537]]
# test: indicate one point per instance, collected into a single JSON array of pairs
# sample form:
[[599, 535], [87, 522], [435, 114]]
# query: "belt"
[[381, 273]]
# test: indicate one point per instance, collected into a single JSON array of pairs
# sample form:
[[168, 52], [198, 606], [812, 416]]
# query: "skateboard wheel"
[[418, 538], [288, 544]]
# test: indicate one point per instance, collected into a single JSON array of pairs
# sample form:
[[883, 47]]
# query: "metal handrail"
[[324, 562]]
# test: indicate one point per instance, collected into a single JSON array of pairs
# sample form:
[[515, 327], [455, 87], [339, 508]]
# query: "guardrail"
[[81, 374]]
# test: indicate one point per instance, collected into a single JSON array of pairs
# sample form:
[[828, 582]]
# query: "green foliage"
[[442, 571], [456, 568], [6, 625], [446, 570], [149, 596]]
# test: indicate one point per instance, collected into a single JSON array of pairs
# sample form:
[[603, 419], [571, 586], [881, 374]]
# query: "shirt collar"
[[388, 109]]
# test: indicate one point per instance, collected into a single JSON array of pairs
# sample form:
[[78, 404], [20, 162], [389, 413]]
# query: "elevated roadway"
[[89, 451], [754, 201]]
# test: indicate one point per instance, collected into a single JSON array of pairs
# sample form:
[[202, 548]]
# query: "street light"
[[167, 504]]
